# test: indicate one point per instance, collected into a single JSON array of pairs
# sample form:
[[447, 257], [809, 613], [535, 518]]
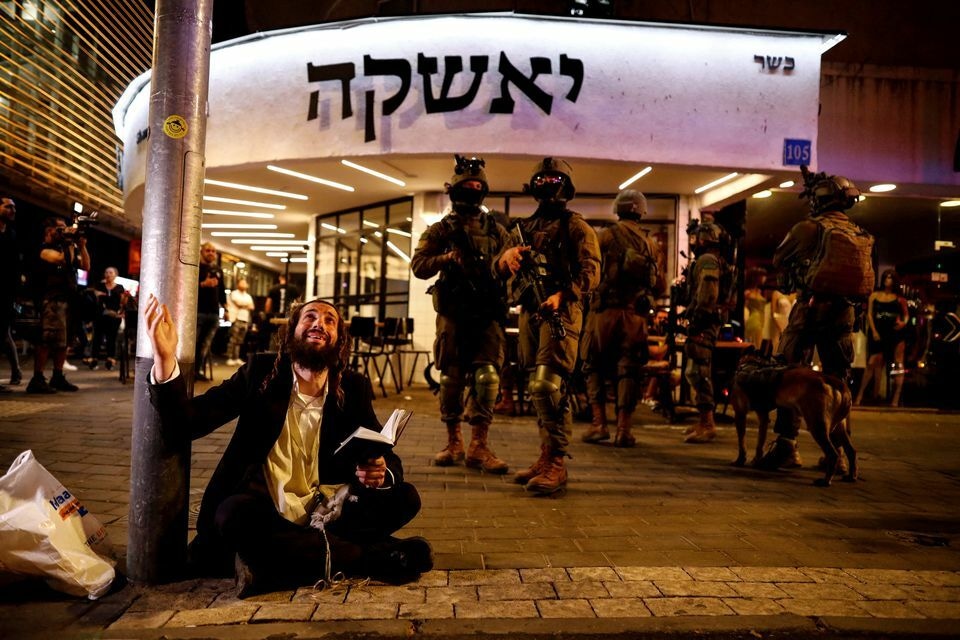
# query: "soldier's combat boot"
[[624, 438], [551, 479], [705, 432], [523, 477], [778, 455], [506, 405], [597, 431], [453, 452], [479, 455]]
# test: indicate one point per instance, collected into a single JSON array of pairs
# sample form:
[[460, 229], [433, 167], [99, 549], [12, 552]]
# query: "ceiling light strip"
[[251, 234], [239, 214], [246, 187], [376, 174], [224, 225], [270, 247], [718, 181], [304, 176], [398, 251], [249, 203], [255, 241], [635, 177], [405, 234]]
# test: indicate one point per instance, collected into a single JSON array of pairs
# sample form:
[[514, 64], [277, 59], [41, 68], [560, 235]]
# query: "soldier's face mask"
[[547, 187], [467, 194]]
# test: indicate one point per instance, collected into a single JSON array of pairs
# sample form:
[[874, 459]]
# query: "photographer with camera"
[[64, 250], [9, 283]]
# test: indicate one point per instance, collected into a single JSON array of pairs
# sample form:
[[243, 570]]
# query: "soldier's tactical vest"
[[470, 292]]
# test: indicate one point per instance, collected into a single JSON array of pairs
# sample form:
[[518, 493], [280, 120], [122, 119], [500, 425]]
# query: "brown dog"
[[765, 384]]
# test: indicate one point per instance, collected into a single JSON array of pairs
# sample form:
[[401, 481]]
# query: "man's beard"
[[312, 357]]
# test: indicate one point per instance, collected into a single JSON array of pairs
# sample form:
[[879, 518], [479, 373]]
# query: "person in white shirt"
[[240, 306], [293, 412]]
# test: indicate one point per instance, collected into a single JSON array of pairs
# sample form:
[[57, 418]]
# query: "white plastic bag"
[[45, 531]]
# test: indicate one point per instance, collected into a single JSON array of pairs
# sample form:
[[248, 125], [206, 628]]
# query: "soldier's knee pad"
[[486, 382], [544, 389], [450, 391]]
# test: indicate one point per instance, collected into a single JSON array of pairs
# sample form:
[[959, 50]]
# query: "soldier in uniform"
[[565, 258], [703, 318], [468, 298], [819, 319], [615, 339]]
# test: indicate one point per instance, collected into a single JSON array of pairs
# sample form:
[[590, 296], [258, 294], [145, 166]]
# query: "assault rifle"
[[530, 276]]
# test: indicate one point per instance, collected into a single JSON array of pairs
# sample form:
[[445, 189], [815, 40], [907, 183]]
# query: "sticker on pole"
[[175, 127]]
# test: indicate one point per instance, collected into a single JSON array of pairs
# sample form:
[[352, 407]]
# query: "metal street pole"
[[173, 193]]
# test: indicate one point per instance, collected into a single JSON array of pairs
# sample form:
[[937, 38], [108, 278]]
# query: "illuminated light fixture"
[[405, 234], [368, 223], [330, 227], [77, 207], [239, 214], [862, 197], [277, 254], [635, 177], [377, 234], [270, 247], [882, 188], [483, 208], [304, 176], [363, 240], [718, 181], [240, 265], [787, 184], [256, 241], [245, 187], [766, 193], [409, 219], [226, 225], [250, 234], [950, 203], [376, 174], [293, 259], [397, 251], [249, 203]]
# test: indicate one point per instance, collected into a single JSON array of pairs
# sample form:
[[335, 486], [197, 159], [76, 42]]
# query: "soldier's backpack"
[[634, 260], [843, 262]]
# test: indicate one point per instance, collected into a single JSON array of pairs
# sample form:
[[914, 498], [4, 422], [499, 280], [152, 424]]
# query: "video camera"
[[81, 224]]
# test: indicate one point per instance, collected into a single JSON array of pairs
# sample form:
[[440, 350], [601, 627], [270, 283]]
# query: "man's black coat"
[[261, 416]]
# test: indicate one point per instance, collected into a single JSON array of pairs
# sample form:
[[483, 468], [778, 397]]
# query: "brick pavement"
[[665, 537]]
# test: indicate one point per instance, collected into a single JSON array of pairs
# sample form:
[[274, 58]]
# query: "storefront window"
[[363, 258]]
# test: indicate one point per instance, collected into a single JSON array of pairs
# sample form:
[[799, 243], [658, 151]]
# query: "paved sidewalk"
[[661, 539]]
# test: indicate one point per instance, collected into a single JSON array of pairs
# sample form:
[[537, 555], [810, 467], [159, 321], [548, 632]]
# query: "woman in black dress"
[[887, 316]]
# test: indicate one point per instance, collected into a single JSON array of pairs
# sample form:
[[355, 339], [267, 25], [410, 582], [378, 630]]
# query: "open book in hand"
[[388, 436]]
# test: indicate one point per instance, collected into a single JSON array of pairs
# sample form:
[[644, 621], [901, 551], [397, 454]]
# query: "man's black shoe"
[[777, 455], [247, 584], [16, 378], [3, 389], [38, 384], [59, 382], [398, 561], [200, 377]]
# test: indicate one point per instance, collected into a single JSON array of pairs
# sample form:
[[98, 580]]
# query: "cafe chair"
[[405, 347], [363, 330]]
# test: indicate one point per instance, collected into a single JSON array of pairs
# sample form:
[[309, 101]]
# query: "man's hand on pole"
[[163, 337]]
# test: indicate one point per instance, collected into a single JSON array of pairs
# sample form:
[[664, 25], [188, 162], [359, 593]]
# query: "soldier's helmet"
[[828, 193], [630, 203], [552, 181], [709, 234], [468, 170]]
